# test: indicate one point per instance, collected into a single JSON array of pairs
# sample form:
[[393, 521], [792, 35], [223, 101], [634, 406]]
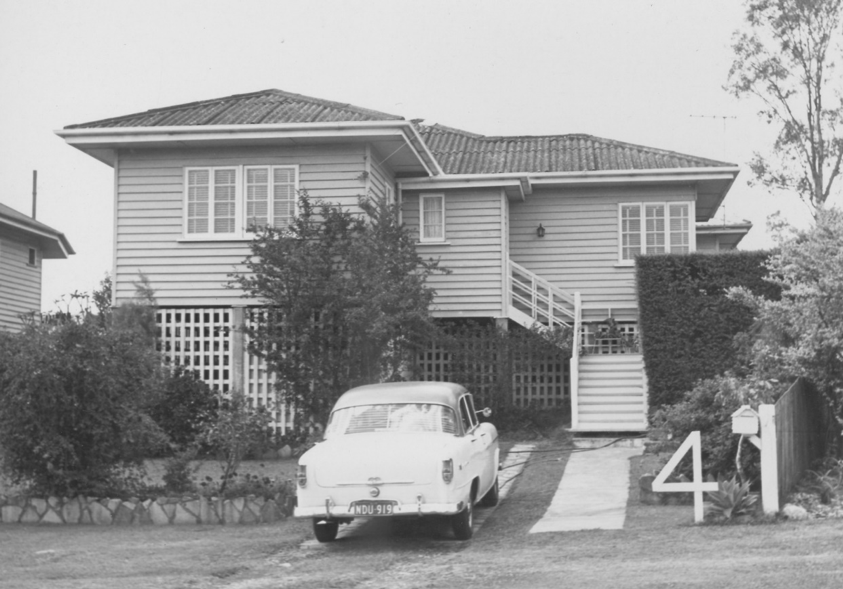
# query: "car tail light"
[[448, 470], [301, 475]]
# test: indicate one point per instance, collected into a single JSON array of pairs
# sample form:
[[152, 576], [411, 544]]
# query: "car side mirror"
[[484, 412]]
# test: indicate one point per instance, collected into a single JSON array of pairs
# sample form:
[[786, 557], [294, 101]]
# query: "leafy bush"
[[237, 430], [178, 472], [72, 394], [730, 501], [688, 321], [708, 408], [182, 406]]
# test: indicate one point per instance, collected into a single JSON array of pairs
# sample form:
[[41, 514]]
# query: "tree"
[[802, 333], [787, 60], [346, 301]]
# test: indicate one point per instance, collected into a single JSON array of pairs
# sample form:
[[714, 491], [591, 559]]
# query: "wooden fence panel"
[[801, 425]]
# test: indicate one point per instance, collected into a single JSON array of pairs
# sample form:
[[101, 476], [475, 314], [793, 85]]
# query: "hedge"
[[687, 322]]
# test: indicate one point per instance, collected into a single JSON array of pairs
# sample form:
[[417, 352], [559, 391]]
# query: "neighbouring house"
[[24, 243], [532, 228]]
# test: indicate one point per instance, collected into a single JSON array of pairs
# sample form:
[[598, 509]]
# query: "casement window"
[[432, 217], [229, 202], [654, 228]]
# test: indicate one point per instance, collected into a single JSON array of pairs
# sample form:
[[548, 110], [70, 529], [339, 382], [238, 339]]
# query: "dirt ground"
[[659, 548]]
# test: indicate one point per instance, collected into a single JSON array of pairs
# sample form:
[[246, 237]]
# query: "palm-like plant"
[[731, 500]]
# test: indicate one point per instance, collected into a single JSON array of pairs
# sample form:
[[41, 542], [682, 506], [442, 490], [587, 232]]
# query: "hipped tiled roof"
[[457, 151], [461, 152], [256, 108]]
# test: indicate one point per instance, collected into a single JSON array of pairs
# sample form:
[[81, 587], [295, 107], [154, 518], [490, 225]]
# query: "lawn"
[[659, 548]]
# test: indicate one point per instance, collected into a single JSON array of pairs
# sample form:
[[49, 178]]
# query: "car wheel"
[[491, 498], [463, 522], [325, 530]]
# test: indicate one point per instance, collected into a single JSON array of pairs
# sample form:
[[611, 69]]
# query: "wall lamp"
[[540, 231]]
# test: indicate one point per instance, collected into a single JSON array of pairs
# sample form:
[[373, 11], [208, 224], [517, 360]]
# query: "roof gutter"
[[552, 178], [58, 237], [101, 137]]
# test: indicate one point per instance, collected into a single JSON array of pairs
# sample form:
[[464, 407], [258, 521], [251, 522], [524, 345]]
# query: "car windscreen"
[[394, 417]]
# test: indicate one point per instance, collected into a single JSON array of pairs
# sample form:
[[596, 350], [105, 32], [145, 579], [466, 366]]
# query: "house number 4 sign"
[[697, 485]]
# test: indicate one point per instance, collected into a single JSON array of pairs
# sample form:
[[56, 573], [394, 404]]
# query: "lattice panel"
[[259, 386], [199, 340], [544, 385]]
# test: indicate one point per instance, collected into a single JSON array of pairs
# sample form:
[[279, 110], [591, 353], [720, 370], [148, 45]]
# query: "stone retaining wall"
[[161, 511]]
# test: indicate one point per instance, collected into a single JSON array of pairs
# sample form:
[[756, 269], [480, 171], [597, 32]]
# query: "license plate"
[[372, 507]]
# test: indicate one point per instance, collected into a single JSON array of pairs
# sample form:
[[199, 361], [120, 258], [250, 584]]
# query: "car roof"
[[437, 393]]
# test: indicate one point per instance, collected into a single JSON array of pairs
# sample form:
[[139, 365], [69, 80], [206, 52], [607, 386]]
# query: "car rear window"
[[394, 417]]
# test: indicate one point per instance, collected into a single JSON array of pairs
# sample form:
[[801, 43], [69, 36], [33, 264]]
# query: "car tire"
[[491, 498], [463, 522], [325, 530]]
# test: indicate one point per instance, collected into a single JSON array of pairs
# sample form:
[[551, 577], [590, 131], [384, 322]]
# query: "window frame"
[[666, 233], [422, 237], [271, 193], [241, 231]]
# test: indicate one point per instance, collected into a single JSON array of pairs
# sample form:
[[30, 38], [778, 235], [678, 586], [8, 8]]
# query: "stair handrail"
[[539, 303]]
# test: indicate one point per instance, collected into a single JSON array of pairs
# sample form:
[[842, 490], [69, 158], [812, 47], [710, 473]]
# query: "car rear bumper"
[[345, 511]]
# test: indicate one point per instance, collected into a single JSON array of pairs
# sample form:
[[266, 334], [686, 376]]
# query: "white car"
[[410, 449]]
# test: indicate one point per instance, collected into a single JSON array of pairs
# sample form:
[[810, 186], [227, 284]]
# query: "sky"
[[647, 72]]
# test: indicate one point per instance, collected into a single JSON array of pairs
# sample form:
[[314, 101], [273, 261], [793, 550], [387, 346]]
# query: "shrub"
[[688, 322], [71, 404], [730, 501], [178, 472], [708, 408], [182, 406], [237, 430]]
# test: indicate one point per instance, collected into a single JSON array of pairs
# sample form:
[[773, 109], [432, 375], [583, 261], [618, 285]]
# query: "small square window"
[[33, 257]]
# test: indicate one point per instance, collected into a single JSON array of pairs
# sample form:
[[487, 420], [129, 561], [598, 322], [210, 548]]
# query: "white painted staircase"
[[611, 394], [608, 391]]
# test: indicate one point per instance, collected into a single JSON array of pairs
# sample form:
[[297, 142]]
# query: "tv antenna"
[[723, 117]]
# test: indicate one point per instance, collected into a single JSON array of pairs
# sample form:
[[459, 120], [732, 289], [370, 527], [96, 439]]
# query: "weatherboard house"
[[534, 228], [24, 244]]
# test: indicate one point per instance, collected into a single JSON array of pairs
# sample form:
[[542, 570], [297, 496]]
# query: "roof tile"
[[265, 107], [461, 152]]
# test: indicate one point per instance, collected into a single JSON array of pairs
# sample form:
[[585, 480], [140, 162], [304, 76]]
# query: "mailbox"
[[745, 421]]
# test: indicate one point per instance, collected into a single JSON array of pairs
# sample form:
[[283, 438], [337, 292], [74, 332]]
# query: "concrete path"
[[592, 494]]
